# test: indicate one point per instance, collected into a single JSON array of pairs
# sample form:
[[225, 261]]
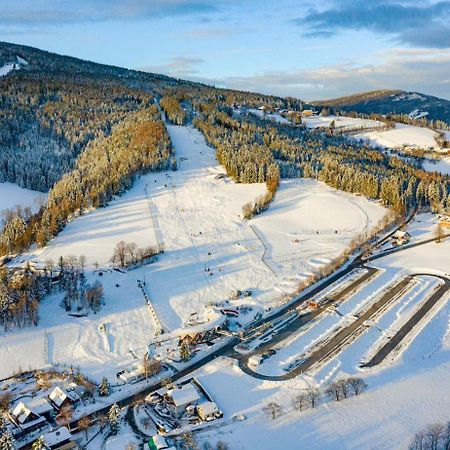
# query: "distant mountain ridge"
[[414, 104]]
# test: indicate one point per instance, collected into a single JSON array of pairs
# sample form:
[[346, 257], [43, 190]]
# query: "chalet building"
[[26, 419], [60, 439], [60, 398], [208, 411]]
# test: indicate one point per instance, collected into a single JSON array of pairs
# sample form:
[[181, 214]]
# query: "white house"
[[60, 397], [180, 398]]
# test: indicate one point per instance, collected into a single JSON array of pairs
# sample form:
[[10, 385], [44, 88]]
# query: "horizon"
[[284, 50]]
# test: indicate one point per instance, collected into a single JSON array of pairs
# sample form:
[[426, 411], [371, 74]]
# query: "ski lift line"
[[263, 257]]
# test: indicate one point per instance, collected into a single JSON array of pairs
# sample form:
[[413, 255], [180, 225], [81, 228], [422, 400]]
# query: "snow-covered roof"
[[39, 405], [159, 441], [57, 436], [185, 395], [21, 412], [58, 396], [401, 234], [208, 408]]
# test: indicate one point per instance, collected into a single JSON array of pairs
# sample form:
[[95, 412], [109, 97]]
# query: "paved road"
[[228, 348], [392, 344], [336, 343], [302, 320]]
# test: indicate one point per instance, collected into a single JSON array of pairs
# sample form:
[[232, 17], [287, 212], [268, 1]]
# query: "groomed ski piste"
[[210, 251], [197, 216]]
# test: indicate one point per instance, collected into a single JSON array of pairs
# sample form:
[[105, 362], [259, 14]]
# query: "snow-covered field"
[[196, 215], [401, 136], [340, 122], [402, 399], [309, 224], [12, 195], [437, 165]]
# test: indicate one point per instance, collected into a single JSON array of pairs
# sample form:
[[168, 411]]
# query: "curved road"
[[338, 342]]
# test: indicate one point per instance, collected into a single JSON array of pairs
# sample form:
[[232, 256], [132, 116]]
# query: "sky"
[[308, 49]]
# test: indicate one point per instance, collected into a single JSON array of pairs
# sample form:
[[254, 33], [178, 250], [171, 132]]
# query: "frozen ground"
[[403, 397], [12, 195], [197, 216], [401, 136], [78, 341]]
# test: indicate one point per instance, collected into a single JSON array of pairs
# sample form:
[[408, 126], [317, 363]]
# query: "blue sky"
[[309, 49]]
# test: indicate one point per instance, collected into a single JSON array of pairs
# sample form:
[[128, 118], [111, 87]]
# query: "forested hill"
[[51, 106], [412, 104]]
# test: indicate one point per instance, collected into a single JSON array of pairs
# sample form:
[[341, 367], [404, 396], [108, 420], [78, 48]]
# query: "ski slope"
[[210, 251]]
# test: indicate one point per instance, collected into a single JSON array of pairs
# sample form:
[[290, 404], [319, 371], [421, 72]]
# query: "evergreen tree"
[[185, 351], [104, 388], [39, 444], [6, 441], [114, 417]]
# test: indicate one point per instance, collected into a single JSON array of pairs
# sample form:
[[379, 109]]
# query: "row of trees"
[[129, 254], [435, 437], [137, 145], [20, 294], [311, 397]]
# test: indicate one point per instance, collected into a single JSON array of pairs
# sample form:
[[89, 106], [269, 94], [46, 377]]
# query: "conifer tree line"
[[106, 168], [46, 122], [20, 297], [255, 150], [173, 110]]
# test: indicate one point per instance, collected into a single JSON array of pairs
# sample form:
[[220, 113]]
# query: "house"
[[157, 442], [307, 113], [179, 398], [26, 419], [208, 411], [254, 361], [133, 374], [60, 398], [60, 439], [401, 237]]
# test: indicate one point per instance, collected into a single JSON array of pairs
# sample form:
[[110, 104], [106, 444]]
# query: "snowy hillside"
[[12, 195], [402, 136], [209, 252]]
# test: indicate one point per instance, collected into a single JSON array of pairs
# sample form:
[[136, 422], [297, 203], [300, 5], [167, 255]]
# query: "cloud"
[[179, 67], [425, 24], [423, 70], [55, 12]]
